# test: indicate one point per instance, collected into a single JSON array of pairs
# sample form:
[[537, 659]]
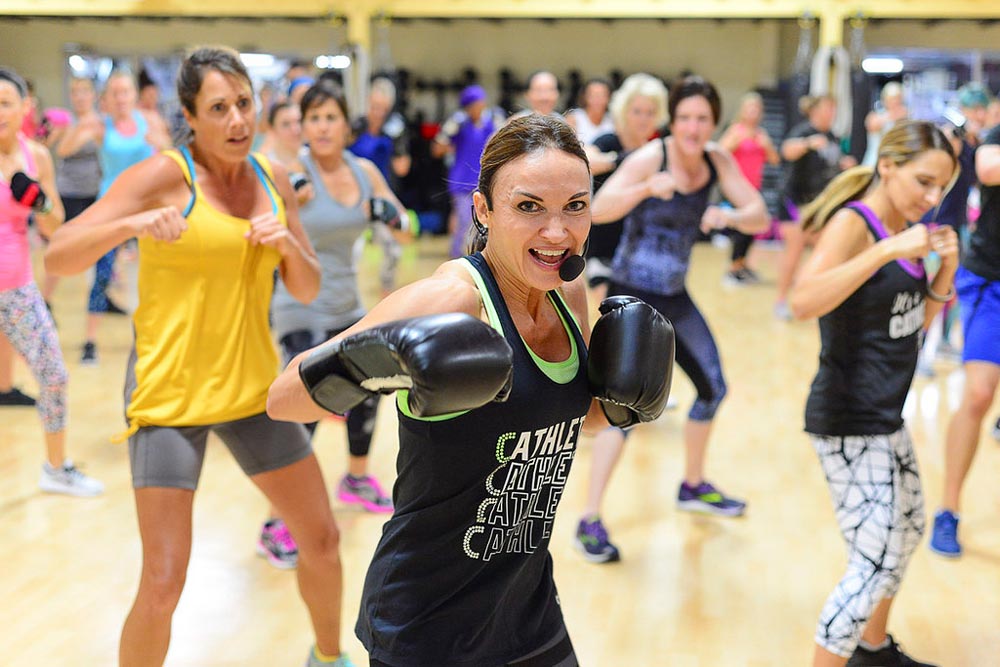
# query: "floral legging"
[[26, 323]]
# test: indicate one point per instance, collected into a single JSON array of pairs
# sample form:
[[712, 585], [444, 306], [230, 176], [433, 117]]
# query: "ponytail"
[[848, 186]]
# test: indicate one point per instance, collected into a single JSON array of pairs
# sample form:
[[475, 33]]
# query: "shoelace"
[[598, 531]]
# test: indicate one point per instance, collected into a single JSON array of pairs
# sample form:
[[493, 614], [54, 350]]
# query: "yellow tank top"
[[204, 350]]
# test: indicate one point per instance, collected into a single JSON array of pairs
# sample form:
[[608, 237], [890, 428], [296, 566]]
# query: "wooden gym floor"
[[691, 591]]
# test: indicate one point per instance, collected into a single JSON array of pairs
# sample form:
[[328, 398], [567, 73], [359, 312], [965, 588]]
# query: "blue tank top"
[[119, 152], [462, 575], [655, 247], [377, 148]]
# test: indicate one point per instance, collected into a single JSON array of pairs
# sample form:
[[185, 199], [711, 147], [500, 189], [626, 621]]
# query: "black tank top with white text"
[[869, 346], [462, 575]]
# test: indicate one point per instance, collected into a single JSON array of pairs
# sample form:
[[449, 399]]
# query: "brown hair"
[[521, 136], [321, 92], [903, 143], [694, 86], [221, 59]]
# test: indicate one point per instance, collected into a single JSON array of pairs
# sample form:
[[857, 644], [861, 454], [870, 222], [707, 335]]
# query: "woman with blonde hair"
[[866, 283], [637, 108]]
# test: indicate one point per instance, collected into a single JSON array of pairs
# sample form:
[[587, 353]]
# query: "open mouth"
[[551, 258]]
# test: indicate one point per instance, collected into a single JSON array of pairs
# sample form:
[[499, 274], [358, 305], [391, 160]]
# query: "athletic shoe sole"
[[264, 552], [945, 554], [369, 506], [700, 507], [49, 487], [612, 557]]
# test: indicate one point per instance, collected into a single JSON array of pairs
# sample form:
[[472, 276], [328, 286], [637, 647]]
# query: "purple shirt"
[[469, 140]]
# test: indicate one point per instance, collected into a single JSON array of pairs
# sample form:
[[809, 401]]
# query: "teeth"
[[550, 253]]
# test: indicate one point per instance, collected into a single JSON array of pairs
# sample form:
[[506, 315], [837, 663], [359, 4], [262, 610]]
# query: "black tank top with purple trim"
[[869, 346]]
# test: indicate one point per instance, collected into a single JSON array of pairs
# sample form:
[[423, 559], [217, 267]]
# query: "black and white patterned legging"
[[879, 504]]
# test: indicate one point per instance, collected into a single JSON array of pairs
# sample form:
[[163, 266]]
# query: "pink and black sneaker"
[[364, 491], [277, 545]]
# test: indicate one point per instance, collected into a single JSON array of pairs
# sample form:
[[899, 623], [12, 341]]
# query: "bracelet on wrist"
[[47, 206], [941, 298]]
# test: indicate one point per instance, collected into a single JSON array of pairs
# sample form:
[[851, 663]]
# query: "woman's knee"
[[320, 542], [979, 396], [708, 402], [162, 582]]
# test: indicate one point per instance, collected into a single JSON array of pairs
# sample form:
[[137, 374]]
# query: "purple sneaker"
[[277, 545], [364, 491], [706, 499], [592, 541]]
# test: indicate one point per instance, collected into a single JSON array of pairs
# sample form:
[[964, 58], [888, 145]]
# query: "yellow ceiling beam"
[[969, 9]]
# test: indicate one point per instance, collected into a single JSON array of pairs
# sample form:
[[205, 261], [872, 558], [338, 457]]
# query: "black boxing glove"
[[28, 192], [384, 211], [630, 361], [449, 362]]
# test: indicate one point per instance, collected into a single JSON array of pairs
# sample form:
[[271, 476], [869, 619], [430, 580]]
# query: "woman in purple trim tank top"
[[867, 285]]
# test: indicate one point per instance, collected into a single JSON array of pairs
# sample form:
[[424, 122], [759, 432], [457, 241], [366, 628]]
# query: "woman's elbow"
[[801, 307]]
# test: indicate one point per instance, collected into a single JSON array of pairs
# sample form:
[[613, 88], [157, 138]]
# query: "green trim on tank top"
[[560, 372]]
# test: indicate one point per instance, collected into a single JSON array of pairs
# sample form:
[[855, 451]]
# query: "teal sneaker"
[[342, 660]]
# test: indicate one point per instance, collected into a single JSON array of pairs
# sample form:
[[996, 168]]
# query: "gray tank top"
[[333, 228], [79, 174]]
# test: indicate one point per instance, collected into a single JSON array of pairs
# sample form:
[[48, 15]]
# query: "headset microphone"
[[571, 268], [574, 265]]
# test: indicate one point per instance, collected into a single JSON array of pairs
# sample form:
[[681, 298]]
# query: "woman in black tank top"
[[462, 575], [866, 283]]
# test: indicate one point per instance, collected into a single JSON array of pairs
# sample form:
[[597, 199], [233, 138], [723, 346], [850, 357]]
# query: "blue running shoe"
[[592, 541], [706, 499], [944, 539]]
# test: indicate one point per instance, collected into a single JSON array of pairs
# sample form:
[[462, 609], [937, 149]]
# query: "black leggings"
[[360, 419], [696, 352], [741, 244]]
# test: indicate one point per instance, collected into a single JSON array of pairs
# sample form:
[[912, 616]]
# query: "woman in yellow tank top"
[[213, 223]]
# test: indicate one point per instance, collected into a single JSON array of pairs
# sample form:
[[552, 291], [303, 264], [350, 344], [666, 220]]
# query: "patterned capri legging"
[[26, 323], [97, 301], [879, 504]]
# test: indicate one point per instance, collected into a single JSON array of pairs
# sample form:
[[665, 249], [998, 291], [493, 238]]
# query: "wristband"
[[931, 294], [47, 206]]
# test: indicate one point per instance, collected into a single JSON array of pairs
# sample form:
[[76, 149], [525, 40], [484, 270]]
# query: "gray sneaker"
[[69, 480], [341, 661]]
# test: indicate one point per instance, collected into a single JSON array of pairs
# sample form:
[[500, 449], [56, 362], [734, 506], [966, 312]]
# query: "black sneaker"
[[114, 309], [15, 399], [89, 356], [889, 656]]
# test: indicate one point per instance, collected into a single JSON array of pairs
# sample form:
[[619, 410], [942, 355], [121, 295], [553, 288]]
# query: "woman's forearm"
[[615, 204], [750, 219], [943, 284], [300, 272], [818, 294]]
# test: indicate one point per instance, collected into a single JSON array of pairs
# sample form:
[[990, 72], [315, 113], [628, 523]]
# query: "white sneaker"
[[782, 312], [996, 430], [68, 480]]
